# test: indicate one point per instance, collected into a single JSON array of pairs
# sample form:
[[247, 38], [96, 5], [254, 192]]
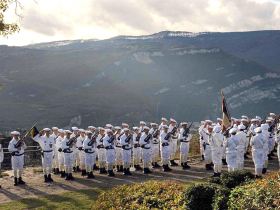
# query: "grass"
[[3, 174], [36, 170], [80, 199]]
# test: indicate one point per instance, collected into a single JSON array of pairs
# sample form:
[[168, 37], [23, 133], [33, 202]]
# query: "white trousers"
[[119, 155], [217, 155], [68, 159], [82, 157], [17, 162], [90, 159], [207, 152], [126, 155], [110, 156], [60, 158], [185, 148], [270, 144], [155, 151], [173, 146], [231, 157], [146, 155], [101, 155], [47, 160], [165, 153], [258, 158], [240, 155]]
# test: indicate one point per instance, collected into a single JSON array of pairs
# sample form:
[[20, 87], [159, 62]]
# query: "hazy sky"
[[51, 20]]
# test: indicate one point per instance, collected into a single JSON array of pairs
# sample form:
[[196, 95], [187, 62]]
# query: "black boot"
[[46, 178], [57, 170], [272, 154], [149, 171], [157, 165], [67, 176], [95, 167], [84, 172], [219, 175], [128, 172], [88, 177], [54, 171], [153, 165], [62, 174], [78, 169], [208, 167], [20, 181], [74, 169], [111, 173], [71, 176], [257, 176], [50, 178], [104, 170], [121, 168], [182, 164], [173, 163], [118, 168], [214, 175], [186, 166], [202, 157], [100, 170], [245, 156], [16, 182], [269, 157], [138, 168], [264, 170], [224, 162], [124, 171], [247, 153], [145, 171]]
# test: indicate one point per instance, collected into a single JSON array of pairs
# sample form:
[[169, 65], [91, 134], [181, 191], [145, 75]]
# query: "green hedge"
[[148, 195], [258, 194], [206, 196]]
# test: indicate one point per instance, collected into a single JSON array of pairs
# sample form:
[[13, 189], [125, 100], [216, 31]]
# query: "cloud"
[[50, 20]]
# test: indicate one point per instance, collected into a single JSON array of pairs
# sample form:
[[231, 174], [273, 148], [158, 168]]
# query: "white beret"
[[164, 119], [268, 121], [118, 128], [258, 129], [54, 128], [68, 131], [91, 127], [125, 129], [272, 114], [210, 126], [172, 120], [88, 132], [109, 125], [217, 129], [244, 116], [259, 118], [109, 131], [146, 128], [100, 128], [233, 130], [241, 127], [75, 129], [142, 122], [136, 128], [46, 129], [233, 118], [125, 124], [15, 133], [152, 124], [61, 131], [184, 123], [254, 120], [265, 126], [219, 119], [244, 120], [165, 126], [82, 130], [237, 120]]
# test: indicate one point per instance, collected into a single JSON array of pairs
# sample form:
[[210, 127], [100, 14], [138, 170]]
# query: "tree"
[[8, 28]]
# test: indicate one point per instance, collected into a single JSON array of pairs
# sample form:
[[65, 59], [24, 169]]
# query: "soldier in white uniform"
[[241, 135], [201, 139], [278, 143], [60, 152], [81, 151], [271, 138], [92, 129], [89, 148], [142, 125], [75, 134], [47, 145], [1, 157], [125, 141], [174, 141], [244, 122], [266, 135], [55, 135], [257, 143], [155, 144], [216, 144], [230, 146], [67, 147], [207, 134], [17, 147], [118, 149], [145, 142], [109, 143], [101, 151], [184, 138], [136, 148], [165, 148], [164, 121]]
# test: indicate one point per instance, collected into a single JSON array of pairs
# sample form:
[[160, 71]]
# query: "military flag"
[[226, 116], [33, 132]]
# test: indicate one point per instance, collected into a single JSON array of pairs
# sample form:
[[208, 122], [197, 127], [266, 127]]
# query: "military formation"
[[115, 148]]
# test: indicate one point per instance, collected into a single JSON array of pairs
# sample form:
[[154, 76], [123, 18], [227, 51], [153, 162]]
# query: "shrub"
[[206, 196], [215, 180], [258, 194], [233, 179], [148, 195]]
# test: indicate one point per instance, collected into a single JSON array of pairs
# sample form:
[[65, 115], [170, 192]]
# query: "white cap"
[[258, 129], [202, 122], [237, 120], [217, 129], [82, 130], [125, 124], [232, 118], [233, 130], [109, 131], [136, 128], [214, 124], [68, 131], [241, 127], [109, 126], [165, 126], [88, 132], [268, 121], [100, 128], [244, 116], [142, 122], [254, 120], [219, 119], [15, 133], [184, 123], [75, 129], [91, 127], [146, 128], [265, 126], [118, 128], [272, 114], [152, 124], [61, 131], [46, 129], [125, 129], [208, 121], [210, 126], [164, 119], [244, 120], [172, 120], [259, 118], [278, 127], [54, 128]]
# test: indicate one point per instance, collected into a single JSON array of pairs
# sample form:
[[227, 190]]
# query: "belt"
[[146, 148], [155, 143], [119, 146], [89, 152], [207, 144], [19, 155], [127, 149], [47, 150], [68, 152], [187, 142]]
